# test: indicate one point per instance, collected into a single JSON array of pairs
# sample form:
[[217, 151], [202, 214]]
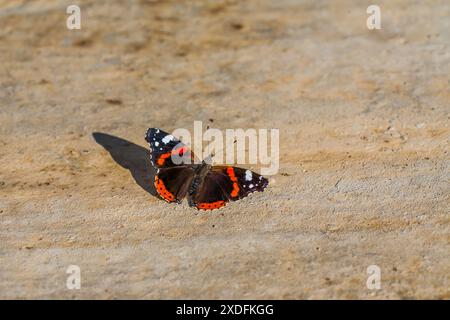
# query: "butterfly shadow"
[[130, 156]]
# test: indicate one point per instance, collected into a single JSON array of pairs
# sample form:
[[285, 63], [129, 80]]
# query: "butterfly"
[[206, 187]]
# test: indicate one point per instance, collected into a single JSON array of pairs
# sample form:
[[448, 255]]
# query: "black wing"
[[172, 184], [223, 184], [172, 179], [163, 146]]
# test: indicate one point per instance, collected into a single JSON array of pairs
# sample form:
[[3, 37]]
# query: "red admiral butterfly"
[[207, 187]]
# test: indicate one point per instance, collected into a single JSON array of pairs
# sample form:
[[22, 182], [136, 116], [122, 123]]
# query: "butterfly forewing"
[[243, 181], [223, 184], [163, 146]]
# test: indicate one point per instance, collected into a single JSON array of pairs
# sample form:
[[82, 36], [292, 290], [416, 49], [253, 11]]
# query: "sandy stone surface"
[[364, 173]]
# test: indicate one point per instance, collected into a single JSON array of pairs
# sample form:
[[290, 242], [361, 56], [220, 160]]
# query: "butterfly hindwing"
[[172, 184], [211, 193]]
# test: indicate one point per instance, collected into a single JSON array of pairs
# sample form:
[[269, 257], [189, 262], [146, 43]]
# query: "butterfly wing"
[[223, 184], [211, 193], [172, 180], [172, 184], [163, 146]]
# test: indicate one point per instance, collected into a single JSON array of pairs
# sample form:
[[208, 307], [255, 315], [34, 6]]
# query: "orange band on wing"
[[163, 157], [211, 205], [235, 191], [180, 151], [176, 152], [162, 190]]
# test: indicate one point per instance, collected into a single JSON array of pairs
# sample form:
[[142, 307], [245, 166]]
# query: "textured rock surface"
[[364, 127]]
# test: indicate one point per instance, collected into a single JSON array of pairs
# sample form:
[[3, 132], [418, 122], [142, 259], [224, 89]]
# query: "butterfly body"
[[206, 187]]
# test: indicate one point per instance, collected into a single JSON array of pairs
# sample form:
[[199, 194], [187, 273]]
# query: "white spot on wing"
[[251, 186], [167, 138], [248, 175], [156, 143]]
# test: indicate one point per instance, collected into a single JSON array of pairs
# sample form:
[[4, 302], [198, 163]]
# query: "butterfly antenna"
[[213, 154]]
